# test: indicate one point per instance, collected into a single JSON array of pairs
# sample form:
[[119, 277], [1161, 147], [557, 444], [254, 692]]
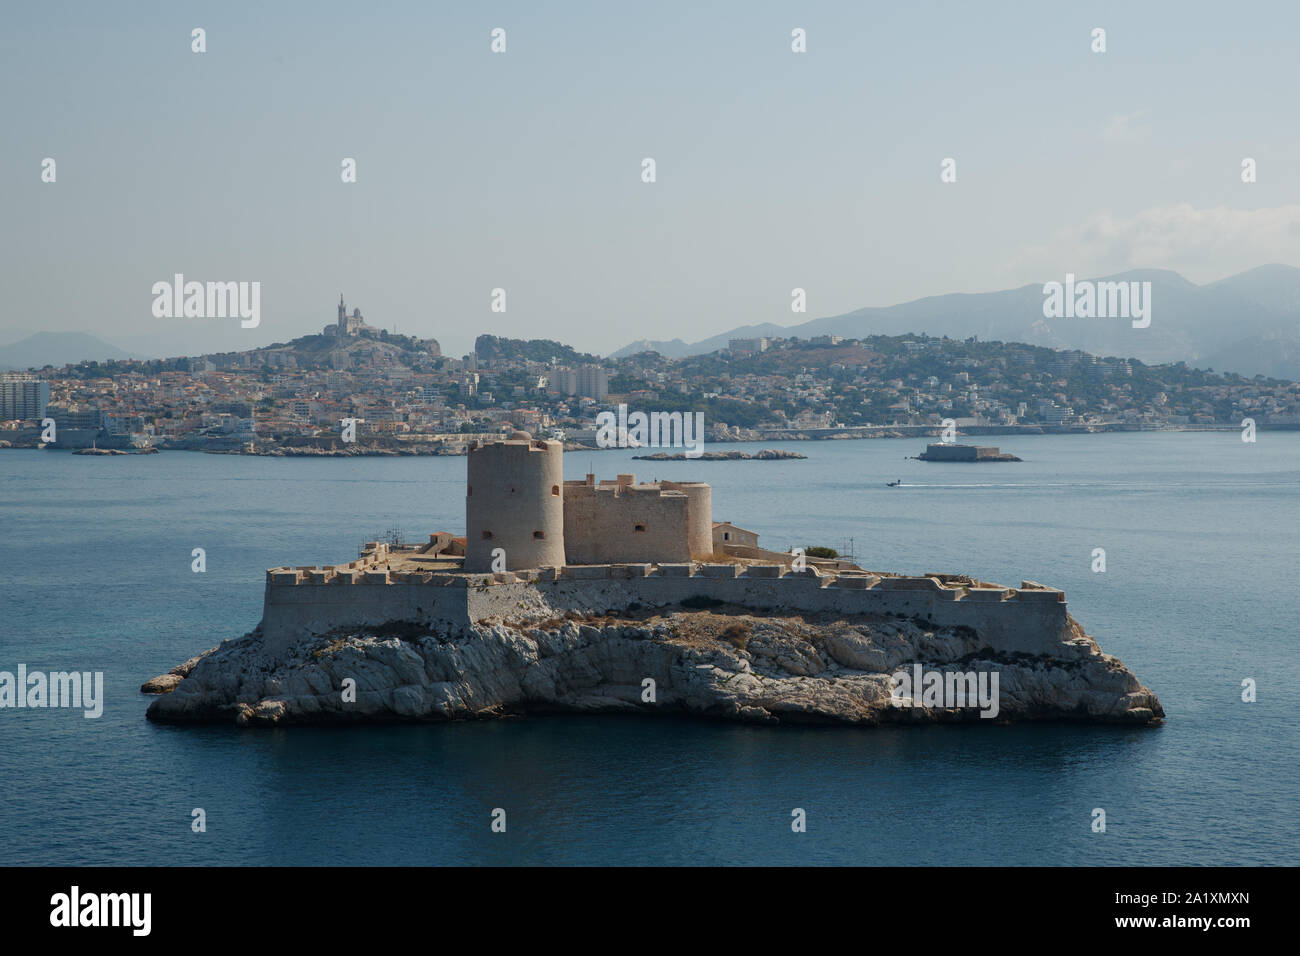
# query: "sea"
[[1198, 597]]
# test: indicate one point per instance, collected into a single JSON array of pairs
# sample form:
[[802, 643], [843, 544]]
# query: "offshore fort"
[[626, 596], [946, 451]]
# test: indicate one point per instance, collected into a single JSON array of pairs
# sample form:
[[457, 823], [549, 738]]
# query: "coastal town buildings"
[[402, 393], [23, 397]]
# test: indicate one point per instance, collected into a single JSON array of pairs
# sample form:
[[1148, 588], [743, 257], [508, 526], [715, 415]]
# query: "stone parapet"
[[1021, 619], [676, 570], [720, 570], [628, 571], [585, 572], [857, 582], [910, 584], [1039, 595]]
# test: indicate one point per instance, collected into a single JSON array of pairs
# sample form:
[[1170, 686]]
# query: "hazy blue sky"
[[522, 170]]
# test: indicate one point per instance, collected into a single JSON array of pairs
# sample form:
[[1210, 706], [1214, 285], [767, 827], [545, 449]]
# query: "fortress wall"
[[290, 611], [600, 525], [1034, 626], [1029, 621]]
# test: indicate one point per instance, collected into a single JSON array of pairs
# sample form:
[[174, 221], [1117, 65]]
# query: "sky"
[[522, 170]]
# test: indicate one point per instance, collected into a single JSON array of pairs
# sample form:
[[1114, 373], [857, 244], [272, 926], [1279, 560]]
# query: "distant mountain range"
[[56, 348], [1247, 323], [69, 348]]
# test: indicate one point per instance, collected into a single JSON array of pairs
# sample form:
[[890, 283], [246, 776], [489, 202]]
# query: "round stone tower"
[[514, 501], [699, 516]]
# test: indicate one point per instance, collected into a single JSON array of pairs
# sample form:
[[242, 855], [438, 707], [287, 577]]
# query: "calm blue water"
[[1200, 592]]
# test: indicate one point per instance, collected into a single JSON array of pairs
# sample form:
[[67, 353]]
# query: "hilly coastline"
[[1247, 323]]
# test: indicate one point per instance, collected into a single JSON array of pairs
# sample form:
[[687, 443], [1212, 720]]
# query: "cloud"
[[1127, 127], [1201, 244]]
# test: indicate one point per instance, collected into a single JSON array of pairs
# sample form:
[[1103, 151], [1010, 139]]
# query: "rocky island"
[[619, 596]]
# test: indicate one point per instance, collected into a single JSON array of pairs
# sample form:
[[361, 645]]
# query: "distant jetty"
[[945, 451], [115, 451], [767, 454]]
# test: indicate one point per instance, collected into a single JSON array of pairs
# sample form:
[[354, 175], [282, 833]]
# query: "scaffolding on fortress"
[[391, 536]]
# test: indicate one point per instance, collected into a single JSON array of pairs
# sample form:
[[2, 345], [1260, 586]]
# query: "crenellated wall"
[[1029, 619]]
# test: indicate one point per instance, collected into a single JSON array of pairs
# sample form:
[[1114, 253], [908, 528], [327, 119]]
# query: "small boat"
[[894, 484]]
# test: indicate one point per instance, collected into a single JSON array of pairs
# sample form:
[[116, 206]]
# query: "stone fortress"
[[524, 510], [626, 597], [535, 540]]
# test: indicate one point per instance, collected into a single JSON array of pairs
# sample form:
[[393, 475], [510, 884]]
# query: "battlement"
[[511, 447], [366, 570], [361, 594]]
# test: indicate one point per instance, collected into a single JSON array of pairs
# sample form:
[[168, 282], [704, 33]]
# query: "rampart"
[[1029, 619]]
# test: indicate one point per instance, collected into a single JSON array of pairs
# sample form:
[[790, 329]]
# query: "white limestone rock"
[[737, 665]]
